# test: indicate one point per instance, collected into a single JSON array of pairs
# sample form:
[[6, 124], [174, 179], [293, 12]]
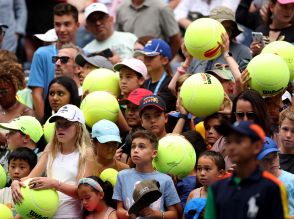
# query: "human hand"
[[256, 48], [188, 57], [39, 183], [15, 191], [148, 212], [244, 80], [225, 44], [180, 106], [118, 154], [264, 12], [114, 59]]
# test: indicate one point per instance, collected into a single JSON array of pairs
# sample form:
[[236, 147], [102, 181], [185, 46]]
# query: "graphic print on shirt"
[[252, 207]]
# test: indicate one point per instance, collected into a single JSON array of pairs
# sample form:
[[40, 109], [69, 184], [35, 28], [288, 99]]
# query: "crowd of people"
[[245, 150]]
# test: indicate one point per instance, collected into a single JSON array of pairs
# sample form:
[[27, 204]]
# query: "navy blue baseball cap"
[[269, 146], [156, 47], [194, 207]]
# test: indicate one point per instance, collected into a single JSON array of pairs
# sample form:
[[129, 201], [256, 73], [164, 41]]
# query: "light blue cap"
[[105, 131]]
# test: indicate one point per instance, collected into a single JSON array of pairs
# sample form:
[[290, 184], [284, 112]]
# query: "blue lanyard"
[[158, 84]]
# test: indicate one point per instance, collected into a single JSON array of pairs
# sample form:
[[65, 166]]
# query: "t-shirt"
[[127, 179], [120, 43], [42, 68], [288, 32], [288, 180], [287, 162]]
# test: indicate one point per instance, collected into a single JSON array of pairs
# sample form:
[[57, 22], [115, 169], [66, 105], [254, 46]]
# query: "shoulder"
[[125, 35], [126, 172], [45, 49], [89, 46]]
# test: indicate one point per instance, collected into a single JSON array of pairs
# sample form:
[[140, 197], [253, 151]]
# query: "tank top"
[[65, 169], [106, 215]]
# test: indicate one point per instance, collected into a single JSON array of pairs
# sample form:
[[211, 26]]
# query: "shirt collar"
[[256, 175], [146, 3]]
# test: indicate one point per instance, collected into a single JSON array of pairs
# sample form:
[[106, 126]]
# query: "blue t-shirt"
[[127, 179], [288, 180], [42, 68]]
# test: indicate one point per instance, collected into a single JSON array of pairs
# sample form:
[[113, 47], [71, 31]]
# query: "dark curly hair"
[[12, 73]]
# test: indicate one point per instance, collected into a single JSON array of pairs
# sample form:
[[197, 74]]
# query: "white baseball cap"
[[134, 64], [50, 36], [69, 112], [95, 7]]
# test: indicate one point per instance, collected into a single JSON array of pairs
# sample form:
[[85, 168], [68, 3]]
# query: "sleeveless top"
[[65, 169], [106, 215]]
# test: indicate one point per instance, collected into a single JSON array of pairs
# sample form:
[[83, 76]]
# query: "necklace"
[[4, 112]]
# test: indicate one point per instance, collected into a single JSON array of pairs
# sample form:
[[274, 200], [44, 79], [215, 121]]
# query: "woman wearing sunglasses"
[[66, 159]]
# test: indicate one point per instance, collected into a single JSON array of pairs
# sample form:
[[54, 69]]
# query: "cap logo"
[[144, 190], [150, 100], [206, 78]]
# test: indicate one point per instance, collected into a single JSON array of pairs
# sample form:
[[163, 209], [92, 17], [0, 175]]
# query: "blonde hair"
[[287, 113], [82, 141]]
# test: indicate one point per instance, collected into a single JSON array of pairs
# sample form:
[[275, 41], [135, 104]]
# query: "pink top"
[[106, 215]]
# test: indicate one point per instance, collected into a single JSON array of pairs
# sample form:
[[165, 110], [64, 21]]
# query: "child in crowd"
[[152, 112], [249, 192], [144, 149], [210, 124], [210, 168], [20, 163], [269, 161], [96, 198]]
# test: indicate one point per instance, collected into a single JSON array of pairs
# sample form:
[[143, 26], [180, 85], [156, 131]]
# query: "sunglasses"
[[63, 125], [63, 59], [249, 115]]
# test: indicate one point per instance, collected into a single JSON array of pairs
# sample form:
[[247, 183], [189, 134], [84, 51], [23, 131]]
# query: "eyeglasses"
[[97, 17], [249, 115], [63, 125], [63, 59]]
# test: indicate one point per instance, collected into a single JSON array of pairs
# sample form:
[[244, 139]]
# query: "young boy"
[[106, 137], [152, 112], [286, 139], [20, 163], [144, 149], [249, 192]]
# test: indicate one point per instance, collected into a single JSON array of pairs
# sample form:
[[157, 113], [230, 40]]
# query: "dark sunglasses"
[[63, 59], [249, 115]]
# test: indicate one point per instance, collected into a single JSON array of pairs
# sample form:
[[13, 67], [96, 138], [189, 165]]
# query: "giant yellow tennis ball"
[[202, 37], [202, 94], [49, 130], [5, 212], [285, 50], [109, 175], [175, 156], [99, 105], [3, 177], [269, 74], [102, 79], [37, 203]]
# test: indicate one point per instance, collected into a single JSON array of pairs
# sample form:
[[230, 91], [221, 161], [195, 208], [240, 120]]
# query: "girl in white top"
[[66, 159]]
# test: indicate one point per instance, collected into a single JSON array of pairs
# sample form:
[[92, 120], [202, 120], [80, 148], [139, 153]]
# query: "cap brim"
[[3, 25], [10, 125], [108, 138], [81, 60], [266, 152], [217, 73], [226, 129], [285, 1], [146, 53], [119, 66], [150, 105]]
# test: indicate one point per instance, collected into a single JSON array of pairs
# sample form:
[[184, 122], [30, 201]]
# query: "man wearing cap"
[[149, 18], [99, 22]]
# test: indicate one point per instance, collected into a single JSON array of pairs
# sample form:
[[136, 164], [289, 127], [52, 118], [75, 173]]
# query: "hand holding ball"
[[3, 177]]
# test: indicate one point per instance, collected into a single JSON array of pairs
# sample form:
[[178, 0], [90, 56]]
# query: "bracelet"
[[183, 116], [162, 215]]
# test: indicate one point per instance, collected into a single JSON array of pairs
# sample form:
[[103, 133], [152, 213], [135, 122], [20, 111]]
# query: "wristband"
[[183, 116], [228, 54]]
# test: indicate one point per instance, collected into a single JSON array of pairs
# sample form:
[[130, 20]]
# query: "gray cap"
[[96, 60], [3, 25]]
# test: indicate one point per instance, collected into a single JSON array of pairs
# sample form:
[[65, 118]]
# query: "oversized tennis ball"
[[175, 156], [269, 74], [3, 177], [99, 105], [37, 203], [202, 37], [5, 212], [49, 130], [202, 94], [109, 175], [285, 50], [102, 79]]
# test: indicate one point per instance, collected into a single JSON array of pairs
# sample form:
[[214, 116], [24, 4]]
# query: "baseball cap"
[[286, 96], [105, 131], [28, 125], [69, 112], [269, 146], [93, 59], [137, 95], [286, 1], [246, 128], [152, 100], [49, 36], [194, 207], [223, 73], [156, 47], [134, 64], [99, 7], [3, 25], [145, 193]]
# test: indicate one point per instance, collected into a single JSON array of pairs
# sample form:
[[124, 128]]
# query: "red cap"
[[137, 95]]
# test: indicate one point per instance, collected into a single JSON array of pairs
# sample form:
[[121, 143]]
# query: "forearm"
[[178, 129], [165, 215], [172, 84], [38, 103], [175, 43], [121, 213], [184, 22], [70, 190], [122, 123], [233, 66]]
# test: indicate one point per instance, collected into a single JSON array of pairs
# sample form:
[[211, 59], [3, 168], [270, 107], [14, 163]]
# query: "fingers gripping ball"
[[3, 177], [202, 94], [109, 175], [285, 50], [202, 38], [102, 79], [175, 156], [5, 212], [49, 129], [99, 105], [269, 74], [37, 203]]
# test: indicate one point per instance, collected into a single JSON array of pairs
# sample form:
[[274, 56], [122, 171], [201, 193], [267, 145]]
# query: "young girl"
[[66, 159], [96, 197], [210, 168]]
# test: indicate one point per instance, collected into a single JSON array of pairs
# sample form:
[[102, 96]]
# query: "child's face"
[[106, 150], [207, 171], [271, 162], [211, 135], [142, 151], [65, 130], [132, 115], [89, 197], [15, 139], [129, 80], [18, 169], [154, 120], [155, 63], [286, 134]]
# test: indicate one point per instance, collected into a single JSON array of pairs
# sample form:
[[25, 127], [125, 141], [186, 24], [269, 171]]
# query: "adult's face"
[[66, 28], [100, 24]]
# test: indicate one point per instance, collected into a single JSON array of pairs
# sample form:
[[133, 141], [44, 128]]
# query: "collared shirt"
[[261, 195]]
